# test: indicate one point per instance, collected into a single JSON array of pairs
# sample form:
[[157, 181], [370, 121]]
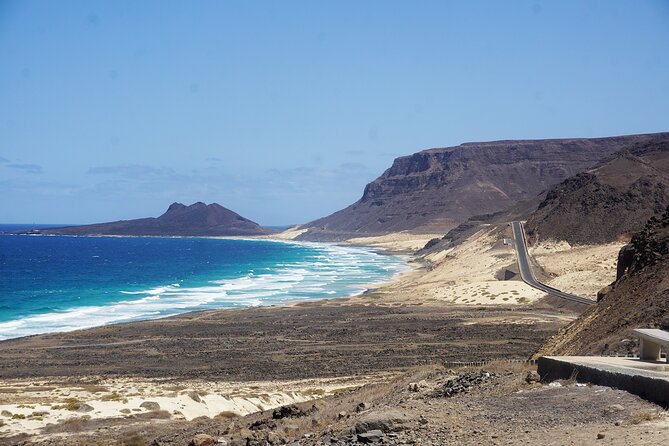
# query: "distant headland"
[[198, 219]]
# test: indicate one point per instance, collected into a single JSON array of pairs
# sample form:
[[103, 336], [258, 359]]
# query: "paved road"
[[526, 270]]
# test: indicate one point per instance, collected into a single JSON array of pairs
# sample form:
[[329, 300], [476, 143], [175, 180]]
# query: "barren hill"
[[613, 200], [639, 298], [437, 189], [198, 219]]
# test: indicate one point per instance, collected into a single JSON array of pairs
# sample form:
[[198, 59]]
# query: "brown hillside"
[[437, 189], [613, 200]]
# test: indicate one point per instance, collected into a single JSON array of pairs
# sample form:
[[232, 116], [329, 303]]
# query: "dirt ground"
[[317, 339]]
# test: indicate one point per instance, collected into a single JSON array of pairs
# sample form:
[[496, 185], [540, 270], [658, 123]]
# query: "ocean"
[[58, 283]]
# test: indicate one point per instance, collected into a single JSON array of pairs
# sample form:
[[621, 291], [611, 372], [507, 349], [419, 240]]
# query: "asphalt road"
[[526, 270]]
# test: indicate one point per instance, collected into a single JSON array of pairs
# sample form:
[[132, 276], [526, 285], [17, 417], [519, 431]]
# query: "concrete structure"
[[648, 379], [652, 340]]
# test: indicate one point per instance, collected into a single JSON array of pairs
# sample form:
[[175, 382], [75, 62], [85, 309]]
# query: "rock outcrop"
[[613, 200], [198, 219], [437, 189], [639, 298]]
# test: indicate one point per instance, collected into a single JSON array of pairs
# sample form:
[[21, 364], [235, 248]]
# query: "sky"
[[283, 110]]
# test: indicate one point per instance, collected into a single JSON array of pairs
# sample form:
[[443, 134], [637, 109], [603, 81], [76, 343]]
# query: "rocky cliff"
[[610, 201], [198, 219], [639, 298], [437, 189]]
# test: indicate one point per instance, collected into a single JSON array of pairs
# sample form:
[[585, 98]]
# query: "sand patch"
[[465, 274], [488, 292], [581, 270], [289, 234], [397, 241], [23, 409]]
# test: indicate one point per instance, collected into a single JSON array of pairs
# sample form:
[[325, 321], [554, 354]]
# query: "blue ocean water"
[[54, 283]]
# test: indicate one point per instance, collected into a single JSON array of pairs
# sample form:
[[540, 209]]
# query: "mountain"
[[437, 189], [610, 201], [198, 219], [639, 298]]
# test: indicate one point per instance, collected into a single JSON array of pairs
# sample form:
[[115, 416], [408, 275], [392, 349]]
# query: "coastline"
[[339, 282], [287, 353]]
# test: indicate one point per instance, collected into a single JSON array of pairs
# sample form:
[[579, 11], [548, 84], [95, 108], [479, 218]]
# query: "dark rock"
[[291, 411], [372, 436], [463, 383], [202, 440], [361, 407], [625, 259], [263, 424], [150, 405], [532, 377], [384, 420], [83, 407], [601, 294], [431, 243]]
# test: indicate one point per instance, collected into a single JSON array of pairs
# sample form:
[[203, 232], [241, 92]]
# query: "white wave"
[[328, 271]]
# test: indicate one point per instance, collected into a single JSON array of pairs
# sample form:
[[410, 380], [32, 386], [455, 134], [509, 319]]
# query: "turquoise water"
[[58, 283]]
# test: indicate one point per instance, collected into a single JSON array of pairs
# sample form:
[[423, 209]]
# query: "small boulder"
[[385, 421], [532, 377], [274, 438], [601, 436], [291, 411], [150, 405], [83, 407], [373, 436], [202, 440], [6, 413], [362, 406]]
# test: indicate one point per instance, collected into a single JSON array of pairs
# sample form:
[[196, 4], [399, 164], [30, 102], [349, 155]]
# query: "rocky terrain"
[[639, 298], [606, 203], [435, 190], [500, 403], [198, 219]]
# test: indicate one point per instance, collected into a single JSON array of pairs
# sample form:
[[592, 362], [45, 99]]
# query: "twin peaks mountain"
[[198, 219]]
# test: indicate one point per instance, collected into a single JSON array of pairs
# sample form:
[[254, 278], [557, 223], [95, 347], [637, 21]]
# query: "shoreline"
[[407, 267]]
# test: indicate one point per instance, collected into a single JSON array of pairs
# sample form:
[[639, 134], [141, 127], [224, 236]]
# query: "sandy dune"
[[466, 274], [581, 270]]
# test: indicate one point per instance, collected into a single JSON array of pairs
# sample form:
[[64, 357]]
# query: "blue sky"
[[284, 110]]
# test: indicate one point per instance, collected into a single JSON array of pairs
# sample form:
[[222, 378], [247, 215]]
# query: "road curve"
[[526, 270]]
